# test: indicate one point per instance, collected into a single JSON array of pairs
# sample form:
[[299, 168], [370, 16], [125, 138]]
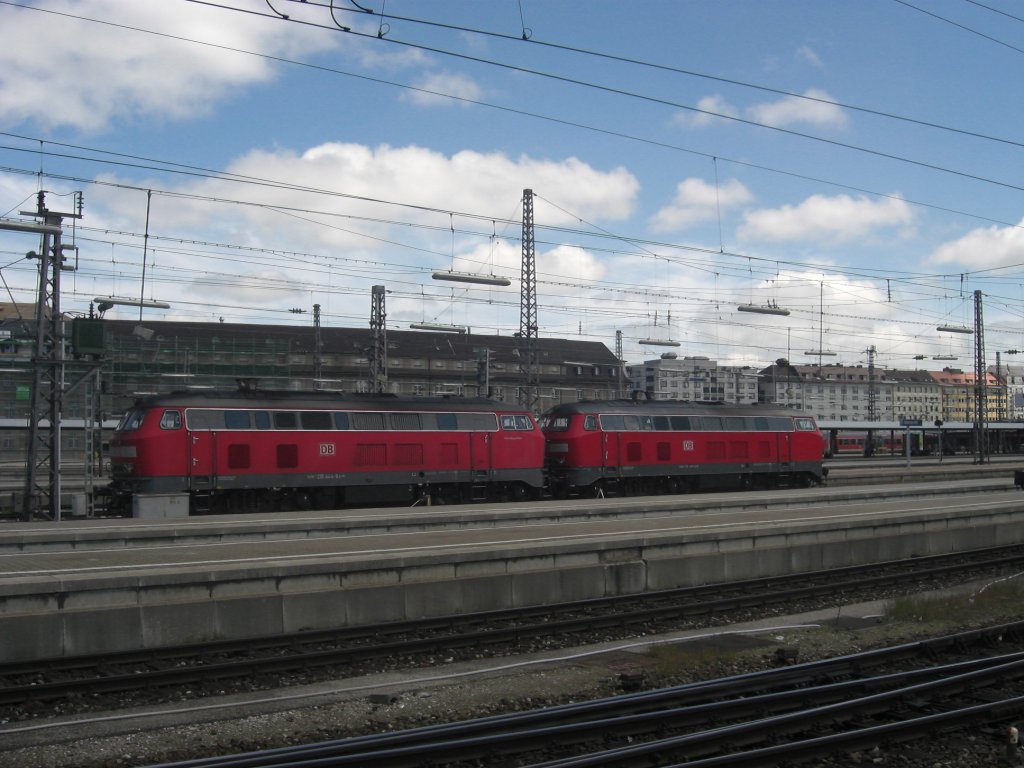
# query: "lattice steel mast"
[[618, 361], [318, 348], [980, 386], [529, 392], [379, 348], [43, 450], [872, 386]]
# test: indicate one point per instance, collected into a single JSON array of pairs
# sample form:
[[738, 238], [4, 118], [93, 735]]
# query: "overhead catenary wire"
[[873, 274], [562, 78]]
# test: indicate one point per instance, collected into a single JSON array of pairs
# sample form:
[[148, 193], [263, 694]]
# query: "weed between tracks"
[[998, 599], [668, 660]]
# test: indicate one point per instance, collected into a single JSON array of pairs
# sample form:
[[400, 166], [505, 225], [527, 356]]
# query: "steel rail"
[[688, 706]]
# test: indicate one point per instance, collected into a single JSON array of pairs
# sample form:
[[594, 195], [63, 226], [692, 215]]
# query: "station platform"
[[87, 586]]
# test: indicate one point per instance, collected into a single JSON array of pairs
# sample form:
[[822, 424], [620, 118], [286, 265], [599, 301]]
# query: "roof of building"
[[400, 343]]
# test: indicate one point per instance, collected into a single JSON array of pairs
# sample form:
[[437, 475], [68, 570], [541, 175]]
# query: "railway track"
[[782, 716], [37, 689], [843, 472]]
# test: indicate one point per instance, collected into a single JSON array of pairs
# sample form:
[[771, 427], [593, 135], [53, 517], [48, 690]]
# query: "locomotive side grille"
[[409, 454], [371, 454]]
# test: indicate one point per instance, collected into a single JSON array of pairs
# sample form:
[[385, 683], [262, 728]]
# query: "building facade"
[[697, 379]]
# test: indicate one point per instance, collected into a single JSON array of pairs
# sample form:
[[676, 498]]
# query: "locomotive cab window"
[[131, 421], [170, 420], [806, 425], [561, 423], [516, 421], [589, 422]]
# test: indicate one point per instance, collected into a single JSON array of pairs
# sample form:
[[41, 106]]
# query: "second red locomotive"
[[664, 446]]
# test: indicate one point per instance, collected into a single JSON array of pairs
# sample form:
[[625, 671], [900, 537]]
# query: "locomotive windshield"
[[554, 423], [131, 421]]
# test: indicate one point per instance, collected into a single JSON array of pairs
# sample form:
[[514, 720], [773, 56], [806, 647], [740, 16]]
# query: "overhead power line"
[[562, 78]]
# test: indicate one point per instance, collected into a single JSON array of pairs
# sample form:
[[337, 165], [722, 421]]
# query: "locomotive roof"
[[671, 407], [275, 399]]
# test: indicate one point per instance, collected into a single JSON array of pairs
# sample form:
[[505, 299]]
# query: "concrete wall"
[[54, 616]]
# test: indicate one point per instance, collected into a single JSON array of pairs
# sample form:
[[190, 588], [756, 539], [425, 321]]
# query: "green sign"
[[23, 392]]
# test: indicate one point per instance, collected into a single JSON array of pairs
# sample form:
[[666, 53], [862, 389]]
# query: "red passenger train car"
[[257, 450], [665, 446]]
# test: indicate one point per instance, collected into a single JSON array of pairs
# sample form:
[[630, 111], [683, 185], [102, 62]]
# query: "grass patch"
[[1000, 599], [669, 659]]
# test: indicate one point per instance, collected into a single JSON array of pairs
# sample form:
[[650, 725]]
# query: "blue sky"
[[858, 163]]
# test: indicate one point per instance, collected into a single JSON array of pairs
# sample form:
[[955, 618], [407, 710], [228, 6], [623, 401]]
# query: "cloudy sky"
[[858, 164]]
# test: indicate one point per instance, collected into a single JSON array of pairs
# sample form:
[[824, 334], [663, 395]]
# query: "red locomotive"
[[662, 446], [255, 450]]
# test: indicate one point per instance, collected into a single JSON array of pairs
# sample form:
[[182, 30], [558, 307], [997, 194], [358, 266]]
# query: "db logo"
[[326, 449], [687, 445]]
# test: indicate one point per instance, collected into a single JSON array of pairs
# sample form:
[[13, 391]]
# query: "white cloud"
[[697, 201], [807, 54], [710, 108], [346, 229], [985, 247], [111, 73], [466, 181], [577, 263], [820, 110], [828, 220], [448, 83]]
